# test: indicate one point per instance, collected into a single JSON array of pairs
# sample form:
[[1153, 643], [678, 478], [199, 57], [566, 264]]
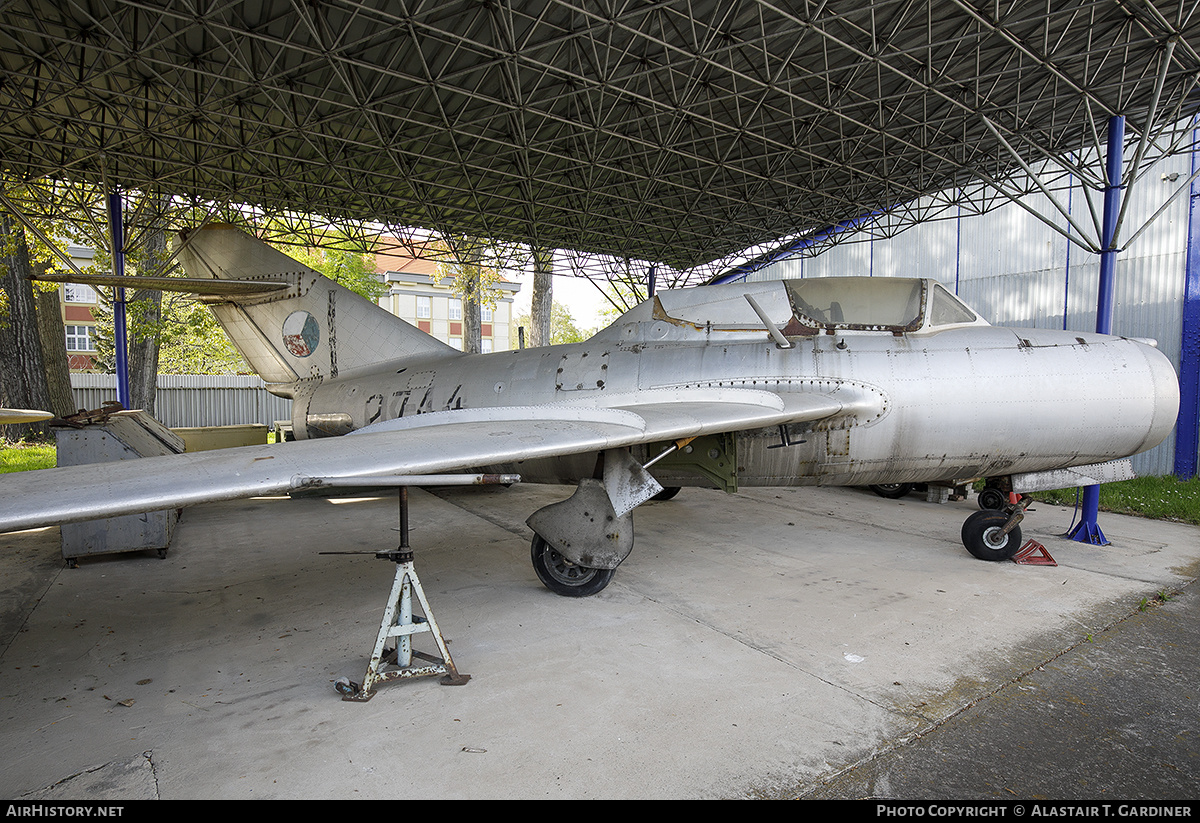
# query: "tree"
[[562, 326], [471, 262], [54, 351], [23, 381], [31, 311], [621, 298], [144, 315], [542, 303], [75, 207]]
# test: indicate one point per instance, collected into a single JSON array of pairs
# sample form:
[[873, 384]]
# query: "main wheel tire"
[[563, 577], [892, 491], [992, 498], [981, 534], [667, 493]]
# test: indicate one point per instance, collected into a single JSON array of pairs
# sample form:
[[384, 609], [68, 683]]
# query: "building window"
[[485, 346], [76, 293], [485, 314], [424, 307], [79, 338], [456, 342], [455, 308]]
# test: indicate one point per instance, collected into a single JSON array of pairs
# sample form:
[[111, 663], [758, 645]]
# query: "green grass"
[[19, 457], [1161, 498]]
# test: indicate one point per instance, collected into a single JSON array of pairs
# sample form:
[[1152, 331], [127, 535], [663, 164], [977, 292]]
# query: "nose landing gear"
[[995, 535]]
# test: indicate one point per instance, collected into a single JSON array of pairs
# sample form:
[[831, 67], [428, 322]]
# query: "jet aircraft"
[[821, 381]]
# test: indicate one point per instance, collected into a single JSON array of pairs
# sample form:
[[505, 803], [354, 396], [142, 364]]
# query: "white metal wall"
[[1016, 271], [194, 399]]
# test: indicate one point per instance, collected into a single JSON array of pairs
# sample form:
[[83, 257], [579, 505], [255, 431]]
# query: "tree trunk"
[[472, 321], [543, 297], [145, 317], [145, 310], [470, 252], [54, 353], [22, 374]]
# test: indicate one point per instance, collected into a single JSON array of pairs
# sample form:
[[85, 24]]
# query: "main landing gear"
[[892, 491], [571, 577], [579, 542]]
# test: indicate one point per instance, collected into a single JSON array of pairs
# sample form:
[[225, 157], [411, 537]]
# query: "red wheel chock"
[[1033, 553]]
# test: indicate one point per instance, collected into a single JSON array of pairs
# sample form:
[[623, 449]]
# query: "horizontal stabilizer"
[[187, 285]]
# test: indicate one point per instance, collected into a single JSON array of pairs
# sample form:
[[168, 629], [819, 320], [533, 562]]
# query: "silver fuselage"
[[960, 403]]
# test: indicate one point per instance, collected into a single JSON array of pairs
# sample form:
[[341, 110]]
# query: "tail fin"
[[315, 328]]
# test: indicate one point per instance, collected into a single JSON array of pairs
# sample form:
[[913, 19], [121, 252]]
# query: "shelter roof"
[[675, 131]]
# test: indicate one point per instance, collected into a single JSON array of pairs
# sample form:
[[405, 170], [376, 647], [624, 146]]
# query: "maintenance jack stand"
[[400, 623]]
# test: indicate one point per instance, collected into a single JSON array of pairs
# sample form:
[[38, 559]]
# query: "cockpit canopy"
[[805, 307], [874, 304]]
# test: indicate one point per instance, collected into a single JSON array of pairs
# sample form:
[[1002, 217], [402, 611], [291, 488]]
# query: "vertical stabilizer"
[[314, 329]]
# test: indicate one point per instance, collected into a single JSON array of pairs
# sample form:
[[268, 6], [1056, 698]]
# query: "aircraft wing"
[[445, 441], [10, 416]]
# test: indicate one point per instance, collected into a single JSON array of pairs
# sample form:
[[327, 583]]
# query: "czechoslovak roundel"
[[301, 333]]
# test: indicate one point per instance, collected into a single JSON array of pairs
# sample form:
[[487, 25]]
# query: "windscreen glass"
[[945, 309]]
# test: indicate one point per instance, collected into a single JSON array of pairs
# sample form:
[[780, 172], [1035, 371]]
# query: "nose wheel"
[[989, 535]]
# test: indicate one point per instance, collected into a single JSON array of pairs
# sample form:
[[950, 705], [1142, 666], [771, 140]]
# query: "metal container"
[[125, 435]]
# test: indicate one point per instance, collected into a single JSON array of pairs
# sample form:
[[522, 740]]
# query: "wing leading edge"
[[445, 441]]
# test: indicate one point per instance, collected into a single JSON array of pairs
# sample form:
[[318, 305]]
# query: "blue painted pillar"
[[1186, 434], [1088, 530], [116, 230], [651, 278]]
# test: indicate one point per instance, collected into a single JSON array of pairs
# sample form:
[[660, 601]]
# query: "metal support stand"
[[400, 623], [116, 227], [1088, 529]]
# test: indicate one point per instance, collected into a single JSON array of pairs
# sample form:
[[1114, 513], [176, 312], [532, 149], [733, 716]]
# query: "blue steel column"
[[1088, 530], [1186, 434], [116, 231]]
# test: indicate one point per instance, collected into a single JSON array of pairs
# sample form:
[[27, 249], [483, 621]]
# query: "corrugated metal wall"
[[1017, 271], [186, 400]]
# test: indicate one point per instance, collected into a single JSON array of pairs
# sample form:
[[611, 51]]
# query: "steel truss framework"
[[682, 132]]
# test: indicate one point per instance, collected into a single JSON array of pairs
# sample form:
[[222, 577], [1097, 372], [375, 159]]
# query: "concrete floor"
[[776, 643]]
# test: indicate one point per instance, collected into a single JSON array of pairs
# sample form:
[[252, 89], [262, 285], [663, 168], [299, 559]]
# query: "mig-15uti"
[[820, 381]]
